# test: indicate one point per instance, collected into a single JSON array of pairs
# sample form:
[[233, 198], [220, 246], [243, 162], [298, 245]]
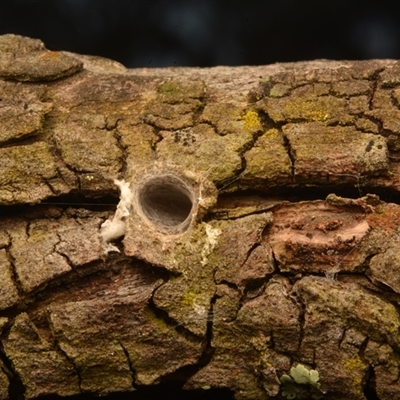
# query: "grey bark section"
[[237, 268]]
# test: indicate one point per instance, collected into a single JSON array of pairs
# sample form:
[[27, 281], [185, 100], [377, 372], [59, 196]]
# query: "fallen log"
[[230, 230]]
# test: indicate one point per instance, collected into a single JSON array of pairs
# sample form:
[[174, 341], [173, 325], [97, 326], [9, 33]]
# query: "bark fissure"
[[14, 275], [181, 376], [370, 385], [15, 387], [123, 149], [131, 367], [173, 324], [69, 360]]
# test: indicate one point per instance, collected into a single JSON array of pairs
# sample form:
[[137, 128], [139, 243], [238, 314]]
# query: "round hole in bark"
[[167, 202]]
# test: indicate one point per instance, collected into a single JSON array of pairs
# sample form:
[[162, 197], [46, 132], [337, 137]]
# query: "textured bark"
[[263, 238]]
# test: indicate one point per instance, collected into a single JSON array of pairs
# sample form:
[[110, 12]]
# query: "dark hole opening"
[[167, 201]]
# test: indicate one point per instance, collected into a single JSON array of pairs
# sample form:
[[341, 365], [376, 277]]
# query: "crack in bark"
[[184, 373], [28, 229], [374, 81], [241, 153], [69, 360], [77, 201], [255, 244], [291, 154], [60, 287], [154, 144], [13, 270], [370, 385], [16, 388], [47, 183], [63, 255], [123, 149], [58, 158], [179, 327], [296, 299], [287, 193], [129, 361]]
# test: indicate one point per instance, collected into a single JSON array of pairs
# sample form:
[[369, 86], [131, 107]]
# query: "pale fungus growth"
[[115, 228]]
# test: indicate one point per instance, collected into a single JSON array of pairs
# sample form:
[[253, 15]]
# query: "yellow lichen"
[[251, 121], [271, 134], [355, 369], [310, 110], [188, 299]]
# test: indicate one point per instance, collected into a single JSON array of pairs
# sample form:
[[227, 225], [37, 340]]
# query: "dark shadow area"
[[160, 33], [370, 386], [166, 201], [73, 201], [296, 193], [163, 391]]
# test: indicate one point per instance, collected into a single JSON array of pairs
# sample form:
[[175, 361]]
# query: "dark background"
[[149, 33]]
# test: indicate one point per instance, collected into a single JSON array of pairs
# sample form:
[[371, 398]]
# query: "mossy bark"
[[264, 231]]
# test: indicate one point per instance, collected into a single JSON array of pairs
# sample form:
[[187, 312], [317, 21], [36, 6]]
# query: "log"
[[227, 231]]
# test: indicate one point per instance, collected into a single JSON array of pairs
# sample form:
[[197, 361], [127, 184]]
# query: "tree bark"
[[255, 247]]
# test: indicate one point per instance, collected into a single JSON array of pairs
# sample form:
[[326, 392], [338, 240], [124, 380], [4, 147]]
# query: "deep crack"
[[172, 323], [370, 385], [122, 148], [16, 388], [299, 303], [59, 349], [291, 154], [183, 374], [13, 270], [131, 368]]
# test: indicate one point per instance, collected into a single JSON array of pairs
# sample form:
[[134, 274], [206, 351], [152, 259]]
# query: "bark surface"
[[259, 241]]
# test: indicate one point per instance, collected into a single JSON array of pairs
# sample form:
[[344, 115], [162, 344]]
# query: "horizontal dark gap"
[[105, 203], [22, 140], [102, 203], [292, 193], [296, 193], [165, 391]]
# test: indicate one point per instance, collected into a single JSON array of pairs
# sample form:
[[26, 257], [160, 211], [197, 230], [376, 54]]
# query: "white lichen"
[[115, 228]]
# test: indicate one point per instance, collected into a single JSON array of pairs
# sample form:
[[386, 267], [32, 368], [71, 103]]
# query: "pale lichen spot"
[[212, 235]]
